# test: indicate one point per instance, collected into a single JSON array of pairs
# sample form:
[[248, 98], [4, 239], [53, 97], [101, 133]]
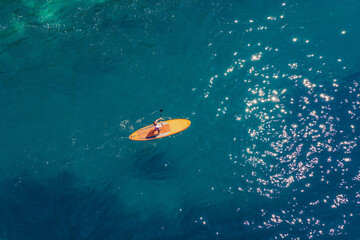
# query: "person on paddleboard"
[[158, 124]]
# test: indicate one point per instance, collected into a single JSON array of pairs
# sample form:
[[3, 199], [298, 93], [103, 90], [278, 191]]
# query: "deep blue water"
[[272, 90]]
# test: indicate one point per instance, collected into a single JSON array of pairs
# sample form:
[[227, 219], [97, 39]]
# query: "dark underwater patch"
[[58, 209]]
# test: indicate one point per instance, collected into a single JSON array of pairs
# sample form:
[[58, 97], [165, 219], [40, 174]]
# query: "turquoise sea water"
[[272, 90]]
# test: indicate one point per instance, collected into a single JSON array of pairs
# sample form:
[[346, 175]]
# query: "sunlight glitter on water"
[[289, 129]]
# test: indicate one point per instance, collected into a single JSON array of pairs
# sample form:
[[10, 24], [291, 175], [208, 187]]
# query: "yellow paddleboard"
[[169, 127]]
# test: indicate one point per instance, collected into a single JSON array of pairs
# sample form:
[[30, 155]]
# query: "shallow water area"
[[271, 89]]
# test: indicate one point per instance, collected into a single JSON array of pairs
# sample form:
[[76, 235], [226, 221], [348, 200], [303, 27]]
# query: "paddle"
[[163, 119]]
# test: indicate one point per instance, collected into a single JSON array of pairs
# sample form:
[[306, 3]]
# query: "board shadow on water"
[[152, 165]]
